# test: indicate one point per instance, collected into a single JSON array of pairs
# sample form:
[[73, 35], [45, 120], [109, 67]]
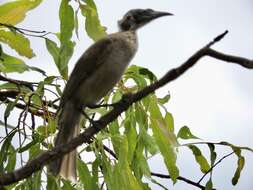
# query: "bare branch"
[[230, 58]]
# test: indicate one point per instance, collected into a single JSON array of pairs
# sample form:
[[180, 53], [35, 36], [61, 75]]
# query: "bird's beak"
[[157, 14]]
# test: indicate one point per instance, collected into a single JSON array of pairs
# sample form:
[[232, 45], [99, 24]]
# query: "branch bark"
[[127, 100]]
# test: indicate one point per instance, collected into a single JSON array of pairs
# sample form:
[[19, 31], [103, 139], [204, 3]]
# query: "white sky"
[[214, 98]]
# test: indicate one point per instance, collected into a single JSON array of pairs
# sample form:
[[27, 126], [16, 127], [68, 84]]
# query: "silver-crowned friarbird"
[[95, 74]]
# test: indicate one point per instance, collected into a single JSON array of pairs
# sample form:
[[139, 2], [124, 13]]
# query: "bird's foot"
[[93, 122]]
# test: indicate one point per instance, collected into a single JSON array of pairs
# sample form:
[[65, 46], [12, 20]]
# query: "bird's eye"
[[129, 17]]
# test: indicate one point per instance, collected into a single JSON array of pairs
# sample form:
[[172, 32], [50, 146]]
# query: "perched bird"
[[94, 75]]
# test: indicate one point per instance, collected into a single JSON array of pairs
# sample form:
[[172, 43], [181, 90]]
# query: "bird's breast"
[[105, 77]]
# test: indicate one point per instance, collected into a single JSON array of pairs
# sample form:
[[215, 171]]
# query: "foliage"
[[146, 129]]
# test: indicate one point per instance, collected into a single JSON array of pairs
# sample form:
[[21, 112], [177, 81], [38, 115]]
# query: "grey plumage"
[[94, 75]]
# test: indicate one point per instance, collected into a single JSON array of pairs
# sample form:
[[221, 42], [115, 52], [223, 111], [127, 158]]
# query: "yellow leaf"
[[15, 12], [17, 42]]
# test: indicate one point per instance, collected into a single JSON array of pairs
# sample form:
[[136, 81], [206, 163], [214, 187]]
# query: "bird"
[[95, 74]]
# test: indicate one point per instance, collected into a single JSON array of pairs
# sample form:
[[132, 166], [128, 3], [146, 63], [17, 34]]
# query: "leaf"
[[233, 146], [37, 139], [165, 139], [34, 182], [51, 182], [164, 100], [62, 54], [169, 121], [166, 147], [92, 23], [122, 169], [9, 108], [66, 53], [131, 133], [201, 160], [66, 15], [140, 165], [34, 150], [149, 143], [15, 12], [67, 185], [11, 159], [10, 64], [185, 133], [148, 73], [209, 185], [53, 50], [85, 176], [240, 165], [4, 149], [32, 68], [213, 154], [17, 42]]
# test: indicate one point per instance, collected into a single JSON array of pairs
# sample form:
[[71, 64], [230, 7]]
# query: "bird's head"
[[137, 18]]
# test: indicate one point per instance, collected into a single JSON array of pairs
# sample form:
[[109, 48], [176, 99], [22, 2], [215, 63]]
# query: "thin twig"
[[211, 169], [179, 178]]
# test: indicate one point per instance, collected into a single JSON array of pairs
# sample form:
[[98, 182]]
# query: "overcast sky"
[[215, 99]]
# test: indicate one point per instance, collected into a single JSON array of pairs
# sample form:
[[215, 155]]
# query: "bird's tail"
[[68, 124]]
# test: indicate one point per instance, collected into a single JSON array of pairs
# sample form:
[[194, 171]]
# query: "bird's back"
[[108, 58]]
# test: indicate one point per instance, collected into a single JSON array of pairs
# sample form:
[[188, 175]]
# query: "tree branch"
[[179, 178], [126, 101]]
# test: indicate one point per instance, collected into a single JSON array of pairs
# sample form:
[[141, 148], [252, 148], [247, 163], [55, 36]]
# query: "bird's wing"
[[88, 63]]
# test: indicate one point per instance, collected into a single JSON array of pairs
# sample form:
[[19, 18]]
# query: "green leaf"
[[130, 132], [66, 15], [34, 150], [53, 50], [9, 108], [17, 42], [164, 100], [169, 121], [85, 176], [185, 133], [51, 182], [213, 154], [165, 139], [4, 150], [209, 185], [201, 160], [15, 12], [146, 72], [10, 64], [166, 145], [37, 69], [240, 165], [123, 177], [11, 159], [149, 143], [140, 165], [67, 185], [49, 79], [62, 54], [34, 182], [66, 53], [92, 23]]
